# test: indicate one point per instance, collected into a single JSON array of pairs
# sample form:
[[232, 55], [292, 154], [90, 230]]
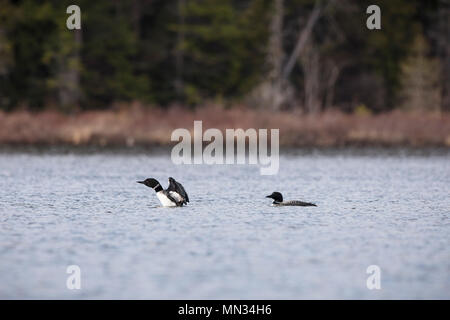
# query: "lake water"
[[384, 208]]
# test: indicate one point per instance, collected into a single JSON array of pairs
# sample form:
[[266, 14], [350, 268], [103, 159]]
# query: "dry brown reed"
[[138, 125]]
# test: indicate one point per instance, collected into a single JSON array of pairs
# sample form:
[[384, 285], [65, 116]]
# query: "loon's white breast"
[[165, 201]]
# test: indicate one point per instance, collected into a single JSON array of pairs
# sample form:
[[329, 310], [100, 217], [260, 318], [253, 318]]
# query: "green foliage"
[[362, 110], [386, 48], [224, 46], [188, 51], [109, 51]]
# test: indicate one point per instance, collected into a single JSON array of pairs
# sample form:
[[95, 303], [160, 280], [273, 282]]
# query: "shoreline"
[[137, 127], [165, 151]]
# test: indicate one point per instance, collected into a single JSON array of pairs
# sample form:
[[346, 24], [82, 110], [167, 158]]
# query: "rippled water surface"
[[390, 210]]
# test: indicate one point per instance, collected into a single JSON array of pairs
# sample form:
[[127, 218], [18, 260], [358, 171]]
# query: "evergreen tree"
[[420, 88], [224, 47]]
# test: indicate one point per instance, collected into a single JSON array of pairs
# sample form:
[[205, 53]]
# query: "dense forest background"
[[300, 55]]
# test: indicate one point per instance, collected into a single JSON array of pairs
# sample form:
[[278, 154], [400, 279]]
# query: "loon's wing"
[[178, 188], [173, 197]]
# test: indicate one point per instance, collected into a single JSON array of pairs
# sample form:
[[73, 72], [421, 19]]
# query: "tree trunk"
[[179, 59], [311, 67], [443, 43], [136, 17], [302, 39], [276, 55], [69, 76], [333, 73]]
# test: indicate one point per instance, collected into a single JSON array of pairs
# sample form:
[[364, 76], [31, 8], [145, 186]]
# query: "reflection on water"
[[389, 209]]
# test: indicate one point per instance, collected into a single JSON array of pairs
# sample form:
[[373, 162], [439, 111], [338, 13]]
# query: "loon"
[[173, 196], [278, 201]]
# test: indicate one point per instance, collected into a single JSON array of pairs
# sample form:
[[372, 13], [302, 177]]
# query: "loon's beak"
[[269, 196], [140, 182]]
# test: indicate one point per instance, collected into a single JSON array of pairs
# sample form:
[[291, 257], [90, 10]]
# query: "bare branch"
[[302, 38]]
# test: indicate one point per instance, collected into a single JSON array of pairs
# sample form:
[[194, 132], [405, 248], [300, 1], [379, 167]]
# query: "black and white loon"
[[173, 196], [278, 201]]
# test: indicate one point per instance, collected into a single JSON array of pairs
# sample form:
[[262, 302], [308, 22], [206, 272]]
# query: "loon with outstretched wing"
[[173, 196]]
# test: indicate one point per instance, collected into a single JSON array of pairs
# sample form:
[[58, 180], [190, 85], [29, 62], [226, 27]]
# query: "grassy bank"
[[153, 126]]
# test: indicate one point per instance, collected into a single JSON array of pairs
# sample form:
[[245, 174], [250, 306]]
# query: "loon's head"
[[276, 196], [150, 182]]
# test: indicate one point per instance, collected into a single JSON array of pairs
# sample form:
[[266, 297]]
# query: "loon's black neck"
[[158, 188]]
